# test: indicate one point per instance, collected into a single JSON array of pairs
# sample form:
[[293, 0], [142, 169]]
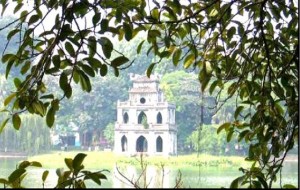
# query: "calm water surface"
[[203, 177]]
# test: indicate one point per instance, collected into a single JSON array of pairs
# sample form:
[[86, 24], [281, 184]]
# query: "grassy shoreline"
[[101, 160]]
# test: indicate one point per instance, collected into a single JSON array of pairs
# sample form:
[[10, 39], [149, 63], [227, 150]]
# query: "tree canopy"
[[251, 44]]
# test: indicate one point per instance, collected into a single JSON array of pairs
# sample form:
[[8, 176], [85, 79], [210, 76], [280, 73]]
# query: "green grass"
[[106, 160]]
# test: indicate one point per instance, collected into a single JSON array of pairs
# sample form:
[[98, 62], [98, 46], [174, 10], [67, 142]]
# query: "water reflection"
[[151, 177], [203, 177]]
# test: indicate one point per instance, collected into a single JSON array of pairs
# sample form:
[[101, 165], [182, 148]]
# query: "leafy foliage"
[[252, 44], [216, 143], [96, 114], [33, 137], [182, 88], [75, 177], [109, 133]]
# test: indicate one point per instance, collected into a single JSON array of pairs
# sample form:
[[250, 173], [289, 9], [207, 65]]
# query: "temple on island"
[[146, 121]]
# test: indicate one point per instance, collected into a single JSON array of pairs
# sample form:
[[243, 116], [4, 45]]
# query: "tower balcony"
[[140, 127], [148, 104]]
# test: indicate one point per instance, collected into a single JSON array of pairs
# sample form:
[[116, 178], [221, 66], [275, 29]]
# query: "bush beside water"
[[101, 160]]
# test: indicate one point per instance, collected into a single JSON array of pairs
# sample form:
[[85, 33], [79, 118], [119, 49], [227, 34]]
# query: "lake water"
[[203, 177]]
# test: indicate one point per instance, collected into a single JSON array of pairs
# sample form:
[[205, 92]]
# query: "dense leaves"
[[75, 177], [182, 88], [251, 44]]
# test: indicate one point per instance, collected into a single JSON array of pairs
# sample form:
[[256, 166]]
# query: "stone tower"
[[146, 122]]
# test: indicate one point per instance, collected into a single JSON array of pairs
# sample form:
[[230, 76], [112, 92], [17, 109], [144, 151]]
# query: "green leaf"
[[92, 44], [279, 108], [18, 7], [176, 56], [128, 31], [45, 175], [242, 135], [229, 135], [17, 82], [155, 13], [12, 33], [231, 32], [262, 181], [94, 63], [67, 174], [119, 61], [70, 48], [101, 176], [48, 96], [16, 121], [223, 126], [63, 80], [88, 70], [23, 15], [9, 98], [106, 45], [238, 111], [33, 19], [236, 182], [204, 79], [56, 61], [25, 67], [78, 159], [189, 60], [4, 181], [152, 35], [116, 71], [140, 47], [213, 86], [69, 163], [3, 124], [84, 81], [202, 33], [289, 186], [8, 67], [50, 117], [66, 31], [16, 175], [76, 77], [68, 91], [119, 14], [96, 18], [24, 164], [80, 8], [7, 57], [213, 13], [94, 177], [35, 164], [171, 14], [256, 184], [104, 25], [55, 104], [167, 41], [103, 70], [150, 68], [59, 172]]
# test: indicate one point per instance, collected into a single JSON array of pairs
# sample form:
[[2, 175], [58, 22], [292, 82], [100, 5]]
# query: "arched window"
[[159, 118], [125, 117], [124, 143], [142, 116], [159, 144], [141, 144]]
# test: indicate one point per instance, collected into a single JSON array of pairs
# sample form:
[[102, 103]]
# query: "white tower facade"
[[146, 122]]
